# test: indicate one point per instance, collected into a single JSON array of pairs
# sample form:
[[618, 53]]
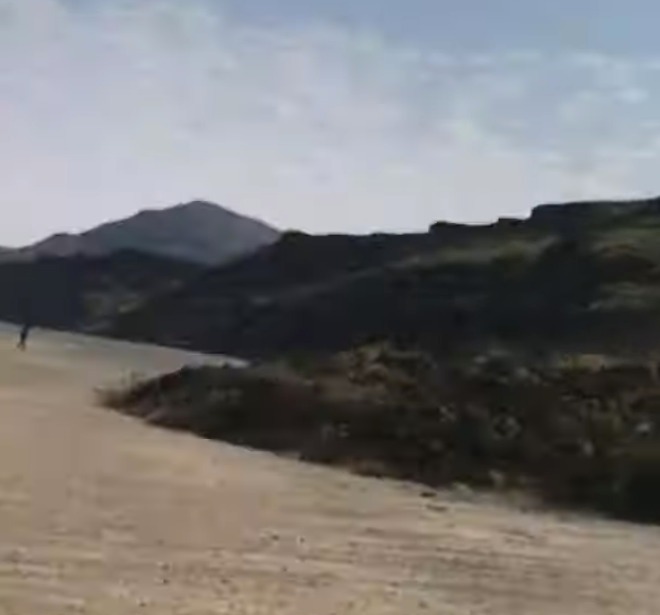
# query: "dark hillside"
[[583, 275], [84, 293]]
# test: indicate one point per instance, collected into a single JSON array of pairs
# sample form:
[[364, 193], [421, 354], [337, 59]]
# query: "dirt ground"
[[100, 514]]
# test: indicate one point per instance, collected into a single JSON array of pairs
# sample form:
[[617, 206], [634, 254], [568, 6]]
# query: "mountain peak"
[[200, 204], [198, 231]]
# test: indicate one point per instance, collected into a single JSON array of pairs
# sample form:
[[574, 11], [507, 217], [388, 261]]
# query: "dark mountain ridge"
[[583, 275]]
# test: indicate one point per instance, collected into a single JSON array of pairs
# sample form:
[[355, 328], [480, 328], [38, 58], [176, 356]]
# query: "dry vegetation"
[[577, 432]]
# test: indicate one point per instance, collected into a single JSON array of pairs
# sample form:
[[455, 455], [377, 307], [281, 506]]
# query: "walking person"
[[23, 337]]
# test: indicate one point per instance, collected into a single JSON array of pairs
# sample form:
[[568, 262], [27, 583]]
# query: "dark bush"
[[579, 436]]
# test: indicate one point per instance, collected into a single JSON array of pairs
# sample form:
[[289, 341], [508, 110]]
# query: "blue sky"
[[327, 116], [473, 25]]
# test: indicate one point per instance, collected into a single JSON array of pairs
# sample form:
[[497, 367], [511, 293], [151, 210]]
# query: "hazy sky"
[[323, 115]]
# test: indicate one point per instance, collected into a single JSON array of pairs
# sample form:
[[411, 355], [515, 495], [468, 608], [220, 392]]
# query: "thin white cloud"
[[142, 104]]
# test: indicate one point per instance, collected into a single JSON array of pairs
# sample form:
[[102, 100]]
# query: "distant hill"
[[198, 232], [579, 275], [83, 292]]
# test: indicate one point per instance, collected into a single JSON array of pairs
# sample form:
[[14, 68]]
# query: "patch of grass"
[[524, 249], [640, 239], [627, 296]]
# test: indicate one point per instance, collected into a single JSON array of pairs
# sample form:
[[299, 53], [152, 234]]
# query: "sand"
[[101, 514]]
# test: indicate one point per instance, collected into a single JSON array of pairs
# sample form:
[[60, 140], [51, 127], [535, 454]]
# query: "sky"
[[350, 115]]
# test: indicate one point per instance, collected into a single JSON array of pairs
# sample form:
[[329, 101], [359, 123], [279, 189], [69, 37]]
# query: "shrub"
[[581, 435]]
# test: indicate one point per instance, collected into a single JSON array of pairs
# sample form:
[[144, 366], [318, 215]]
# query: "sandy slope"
[[100, 514]]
